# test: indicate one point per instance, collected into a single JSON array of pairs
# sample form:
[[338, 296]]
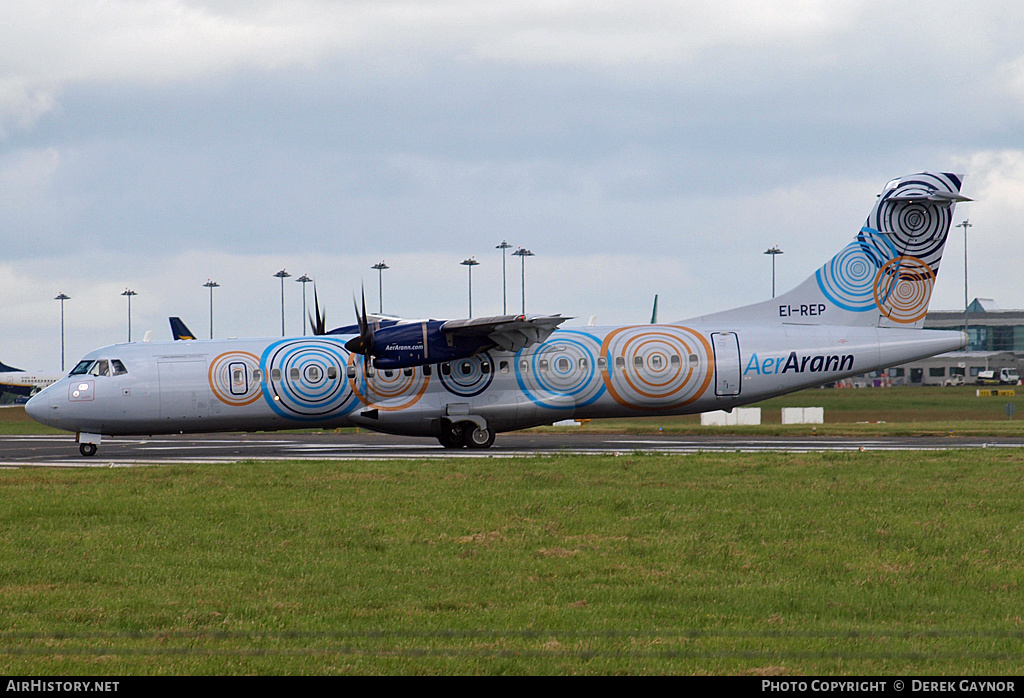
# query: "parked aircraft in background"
[[179, 330], [25, 383], [463, 381]]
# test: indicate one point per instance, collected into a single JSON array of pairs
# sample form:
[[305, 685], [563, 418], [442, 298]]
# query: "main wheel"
[[451, 436], [87, 450], [476, 437]]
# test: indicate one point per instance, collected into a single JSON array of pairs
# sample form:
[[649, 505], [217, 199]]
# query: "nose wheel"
[[87, 450]]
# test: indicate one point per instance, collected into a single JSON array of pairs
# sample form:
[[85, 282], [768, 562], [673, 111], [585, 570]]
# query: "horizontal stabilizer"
[[944, 197]]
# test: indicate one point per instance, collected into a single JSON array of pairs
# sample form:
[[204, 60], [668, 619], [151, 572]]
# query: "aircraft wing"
[[509, 332]]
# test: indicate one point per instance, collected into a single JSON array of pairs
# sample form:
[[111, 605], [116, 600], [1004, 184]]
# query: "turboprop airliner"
[[463, 381]]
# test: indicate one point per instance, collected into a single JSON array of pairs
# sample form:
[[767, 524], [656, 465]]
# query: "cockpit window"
[[82, 368], [99, 367]]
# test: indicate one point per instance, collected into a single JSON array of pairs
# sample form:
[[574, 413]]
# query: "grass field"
[[765, 564]]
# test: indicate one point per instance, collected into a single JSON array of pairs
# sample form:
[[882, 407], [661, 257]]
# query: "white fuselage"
[[284, 383]]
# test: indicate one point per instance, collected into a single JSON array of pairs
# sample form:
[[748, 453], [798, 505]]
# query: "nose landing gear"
[[88, 443]]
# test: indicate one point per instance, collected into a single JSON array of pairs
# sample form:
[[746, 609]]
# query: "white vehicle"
[[1003, 376]]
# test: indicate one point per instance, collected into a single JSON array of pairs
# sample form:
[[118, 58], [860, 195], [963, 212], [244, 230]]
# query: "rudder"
[[885, 276], [891, 266]]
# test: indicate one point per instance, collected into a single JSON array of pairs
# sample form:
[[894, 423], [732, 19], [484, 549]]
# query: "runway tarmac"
[[62, 451]]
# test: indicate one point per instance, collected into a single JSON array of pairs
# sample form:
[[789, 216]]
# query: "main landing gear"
[[465, 434], [87, 450]]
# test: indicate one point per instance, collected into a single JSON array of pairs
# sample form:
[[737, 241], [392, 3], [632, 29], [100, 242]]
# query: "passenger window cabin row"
[[314, 374]]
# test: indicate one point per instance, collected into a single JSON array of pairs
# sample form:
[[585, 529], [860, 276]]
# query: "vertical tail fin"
[[885, 277], [179, 330]]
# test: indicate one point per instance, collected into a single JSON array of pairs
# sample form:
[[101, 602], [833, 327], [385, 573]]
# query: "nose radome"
[[38, 407]]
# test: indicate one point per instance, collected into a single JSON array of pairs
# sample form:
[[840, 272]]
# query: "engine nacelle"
[[394, 343], [405, 345]]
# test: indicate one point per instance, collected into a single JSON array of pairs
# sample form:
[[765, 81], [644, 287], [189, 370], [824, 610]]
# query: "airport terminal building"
[[996, 341]]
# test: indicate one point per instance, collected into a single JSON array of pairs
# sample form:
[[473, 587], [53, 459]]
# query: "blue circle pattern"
[[848, 279], [472, 382], [584, 386], [313, 396]]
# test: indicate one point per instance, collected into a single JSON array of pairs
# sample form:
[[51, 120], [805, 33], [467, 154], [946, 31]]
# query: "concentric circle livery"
[[848, 280], [390, 390], [304, 379], [233, 378], [659, 367], [468, 377], [916, 226], [566, 367], [904, 288]]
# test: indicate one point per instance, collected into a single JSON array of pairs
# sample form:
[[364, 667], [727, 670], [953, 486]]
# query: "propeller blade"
[[363, 344], [319, 323], [364, 327]]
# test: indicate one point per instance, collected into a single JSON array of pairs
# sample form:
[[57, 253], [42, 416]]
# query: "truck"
[[1002, 376]]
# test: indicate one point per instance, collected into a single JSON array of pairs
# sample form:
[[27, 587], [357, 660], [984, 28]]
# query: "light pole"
[[469, 264], [282, 275], [380, 267], [523, 253], [211, 285], [304, 279], [965, 225], [62, 297], [773, 251], [504, 299], [128, 292]]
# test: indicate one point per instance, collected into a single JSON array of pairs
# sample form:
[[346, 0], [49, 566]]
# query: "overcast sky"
[[636, 148]]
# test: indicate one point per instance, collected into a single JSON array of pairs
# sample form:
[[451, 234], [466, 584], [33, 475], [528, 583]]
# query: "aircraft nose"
[[39, 406]]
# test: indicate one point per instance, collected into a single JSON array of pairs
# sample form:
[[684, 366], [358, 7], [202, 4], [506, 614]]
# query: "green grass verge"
[[773, 564], [899, 411], [13, 420]]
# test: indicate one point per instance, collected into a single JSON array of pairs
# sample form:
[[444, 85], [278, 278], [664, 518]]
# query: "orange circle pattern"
[[381, 391], [903, 287], [662, 367], [220, 378]]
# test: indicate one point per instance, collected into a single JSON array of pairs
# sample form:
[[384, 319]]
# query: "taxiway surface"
[[62, 451]]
